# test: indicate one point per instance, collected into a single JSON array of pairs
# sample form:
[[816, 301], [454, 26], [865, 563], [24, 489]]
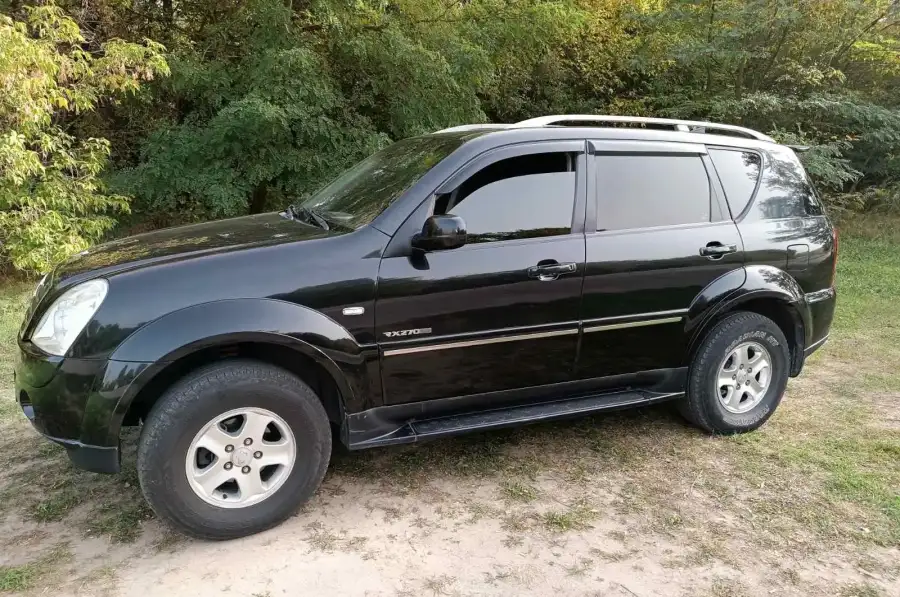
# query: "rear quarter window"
[[785, 190]]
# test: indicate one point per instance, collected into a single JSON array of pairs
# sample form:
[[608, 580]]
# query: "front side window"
[[643, 191], [360, 194], [526, 196]]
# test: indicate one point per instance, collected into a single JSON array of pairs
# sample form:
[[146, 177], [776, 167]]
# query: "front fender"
[[756, 282], [148, 351]]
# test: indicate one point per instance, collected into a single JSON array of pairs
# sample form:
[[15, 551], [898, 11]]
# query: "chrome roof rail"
[[472, 127], [685, 126]]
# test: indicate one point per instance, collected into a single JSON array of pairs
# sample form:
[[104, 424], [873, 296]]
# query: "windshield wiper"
[[307, 215]]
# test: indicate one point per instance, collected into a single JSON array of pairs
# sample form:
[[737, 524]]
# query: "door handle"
[[550, 271], [716, 250]]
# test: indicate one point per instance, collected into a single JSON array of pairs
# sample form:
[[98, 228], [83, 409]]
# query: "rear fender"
[[728, 292]]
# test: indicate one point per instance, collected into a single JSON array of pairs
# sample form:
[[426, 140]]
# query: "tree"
[[52, 199]]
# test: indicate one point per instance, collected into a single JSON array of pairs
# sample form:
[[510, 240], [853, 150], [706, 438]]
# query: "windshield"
[[358, 195]]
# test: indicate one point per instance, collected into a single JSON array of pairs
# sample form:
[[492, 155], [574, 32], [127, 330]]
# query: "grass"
[[860, 590], [576, 517], [518, 491], [14, 579]]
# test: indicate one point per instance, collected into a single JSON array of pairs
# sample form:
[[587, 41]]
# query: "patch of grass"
[[580, 568], [577, 517], [438, 585], [169, 541], [121, 521], [57, 505], [21, 578], [611, 556], [860, 590], [14, 297], [518, 491], [17, 578], [319, 538], [727, 587]]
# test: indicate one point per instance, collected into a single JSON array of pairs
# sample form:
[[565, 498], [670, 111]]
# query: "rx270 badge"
[[415, 332]]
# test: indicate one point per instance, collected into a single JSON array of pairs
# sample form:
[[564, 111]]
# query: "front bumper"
[[97, 459], [75, 403]]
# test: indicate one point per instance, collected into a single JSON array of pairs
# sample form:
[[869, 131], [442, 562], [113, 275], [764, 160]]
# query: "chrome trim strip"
[[639, 316], [815, 345], [631, 324], [820, 295], [463, 344]]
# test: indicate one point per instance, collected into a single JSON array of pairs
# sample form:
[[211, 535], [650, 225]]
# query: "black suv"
[[475, 278]]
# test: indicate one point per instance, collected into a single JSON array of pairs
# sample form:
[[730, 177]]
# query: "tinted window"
[[640, 191], [739, 172], [358, 195], [785, 191], [522, 197]]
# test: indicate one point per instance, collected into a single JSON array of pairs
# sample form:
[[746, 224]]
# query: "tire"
[[702, 405], [191, 406]]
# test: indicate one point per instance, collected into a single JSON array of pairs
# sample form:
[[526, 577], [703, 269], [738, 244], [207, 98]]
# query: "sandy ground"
[[353, 539], [464, 535]]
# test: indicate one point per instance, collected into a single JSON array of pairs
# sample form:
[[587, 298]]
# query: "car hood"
[[189, 241]]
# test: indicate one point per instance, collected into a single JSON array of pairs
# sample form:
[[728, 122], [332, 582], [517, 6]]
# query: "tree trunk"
[[258, 198]]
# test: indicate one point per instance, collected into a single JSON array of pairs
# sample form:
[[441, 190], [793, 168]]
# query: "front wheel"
[[738, 375], [233, 449]]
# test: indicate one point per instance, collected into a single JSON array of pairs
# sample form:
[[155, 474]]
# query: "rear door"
[[657, 233], [501, 312]]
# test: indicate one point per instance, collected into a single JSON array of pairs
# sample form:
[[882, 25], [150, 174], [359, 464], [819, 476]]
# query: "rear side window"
[[528, 196], [642, 191], [739, 173]]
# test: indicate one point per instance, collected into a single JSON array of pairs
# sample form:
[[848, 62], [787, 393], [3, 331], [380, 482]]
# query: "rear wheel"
[[738, 375], [233, 449]]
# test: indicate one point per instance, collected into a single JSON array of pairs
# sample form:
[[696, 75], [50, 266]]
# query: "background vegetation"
[[124, 115]]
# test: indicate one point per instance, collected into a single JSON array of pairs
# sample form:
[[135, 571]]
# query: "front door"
[[501, 312], [657, 234]]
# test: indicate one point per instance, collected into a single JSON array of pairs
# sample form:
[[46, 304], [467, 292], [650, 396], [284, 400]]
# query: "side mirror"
[[441, 233]]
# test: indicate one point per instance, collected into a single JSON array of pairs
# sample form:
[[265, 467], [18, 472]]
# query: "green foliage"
[[273, 98], [270, 99], [52, 200]]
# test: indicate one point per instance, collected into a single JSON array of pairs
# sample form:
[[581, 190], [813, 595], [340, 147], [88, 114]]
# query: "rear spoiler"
[[799, 148]]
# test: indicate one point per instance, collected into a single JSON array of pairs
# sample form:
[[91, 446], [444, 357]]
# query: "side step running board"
[[417, 430]]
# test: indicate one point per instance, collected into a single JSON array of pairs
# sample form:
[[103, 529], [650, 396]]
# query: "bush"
[[52, 200]]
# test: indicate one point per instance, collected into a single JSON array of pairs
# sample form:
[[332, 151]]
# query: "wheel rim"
[[240, 458], [744, 377]]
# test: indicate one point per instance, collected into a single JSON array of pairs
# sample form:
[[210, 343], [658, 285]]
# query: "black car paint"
[[262, 279]]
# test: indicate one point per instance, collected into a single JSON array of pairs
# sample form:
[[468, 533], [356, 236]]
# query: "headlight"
[[67, 316]]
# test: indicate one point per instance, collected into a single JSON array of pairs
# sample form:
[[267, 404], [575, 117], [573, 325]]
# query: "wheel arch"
[[299, 360], [766, 290], [296, 338]]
